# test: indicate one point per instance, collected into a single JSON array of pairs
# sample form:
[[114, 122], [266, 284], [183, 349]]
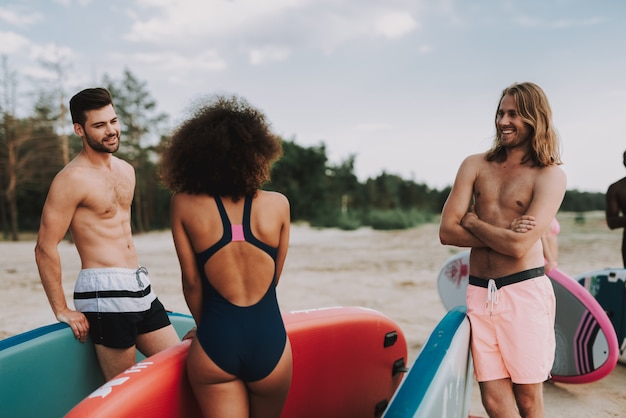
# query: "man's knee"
[[498, 398], [529, 399]]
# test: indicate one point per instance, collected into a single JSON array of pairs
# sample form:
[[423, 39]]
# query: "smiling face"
[[101, 130], [513, 131]]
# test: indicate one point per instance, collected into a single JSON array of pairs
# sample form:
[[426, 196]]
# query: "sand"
[[393, 272]]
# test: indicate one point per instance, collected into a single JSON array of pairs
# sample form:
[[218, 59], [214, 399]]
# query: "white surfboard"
[[586, 342]]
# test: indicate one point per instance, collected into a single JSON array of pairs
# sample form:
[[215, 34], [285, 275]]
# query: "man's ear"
[[78, 130]]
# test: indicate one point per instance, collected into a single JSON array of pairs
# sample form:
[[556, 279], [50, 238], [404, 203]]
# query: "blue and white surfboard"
[[439, 383]]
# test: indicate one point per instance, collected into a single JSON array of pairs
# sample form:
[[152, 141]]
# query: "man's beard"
[[101, 147]]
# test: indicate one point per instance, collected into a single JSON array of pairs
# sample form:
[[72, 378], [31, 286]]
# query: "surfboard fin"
[[399, 366]]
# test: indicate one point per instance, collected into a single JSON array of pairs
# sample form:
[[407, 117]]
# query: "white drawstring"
[[492, 295]]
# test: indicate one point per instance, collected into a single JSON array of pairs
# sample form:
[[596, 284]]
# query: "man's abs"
[[487, 263], [99, 248]]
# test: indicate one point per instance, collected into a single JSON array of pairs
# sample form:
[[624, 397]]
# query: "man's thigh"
[[156, 341], [114, 361]]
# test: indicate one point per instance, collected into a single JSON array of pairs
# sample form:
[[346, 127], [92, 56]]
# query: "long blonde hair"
[[534, 109]]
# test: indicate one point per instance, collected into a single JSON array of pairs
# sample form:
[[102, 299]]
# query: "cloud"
[[242, 25], [616, 93], [52, 53], [424, 49], [373, 127], [266, 54], [394, 25], [68, 3], [177, 67], [11, 42], [19, 18], [526, 21], [209, 20], [575, 23]]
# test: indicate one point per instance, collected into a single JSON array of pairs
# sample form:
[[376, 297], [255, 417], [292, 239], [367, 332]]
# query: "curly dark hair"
[[226, 148]]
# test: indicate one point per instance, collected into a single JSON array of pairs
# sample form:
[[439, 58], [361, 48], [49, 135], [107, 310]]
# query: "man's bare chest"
[[109, 195], [502, 191]]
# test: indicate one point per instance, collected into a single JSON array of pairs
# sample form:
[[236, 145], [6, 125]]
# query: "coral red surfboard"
[[347, 362]]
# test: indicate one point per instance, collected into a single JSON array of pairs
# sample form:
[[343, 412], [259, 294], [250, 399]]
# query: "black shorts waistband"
[[510, 279]]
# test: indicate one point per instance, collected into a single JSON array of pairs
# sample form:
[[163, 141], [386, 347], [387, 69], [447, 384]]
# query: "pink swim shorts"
[[513, 330]]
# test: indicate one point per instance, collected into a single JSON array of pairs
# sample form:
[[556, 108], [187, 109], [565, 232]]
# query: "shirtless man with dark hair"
[[92, 197]]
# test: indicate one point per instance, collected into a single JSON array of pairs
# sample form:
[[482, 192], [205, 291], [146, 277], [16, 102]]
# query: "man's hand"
[[523, 223], [190, 334], [469, 217], [77, 321]]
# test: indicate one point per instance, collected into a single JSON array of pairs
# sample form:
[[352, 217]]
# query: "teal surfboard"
[[608, 287], [46, 371], [439, 383]]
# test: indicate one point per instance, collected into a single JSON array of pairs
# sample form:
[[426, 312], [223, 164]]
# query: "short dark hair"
[[86, 100]]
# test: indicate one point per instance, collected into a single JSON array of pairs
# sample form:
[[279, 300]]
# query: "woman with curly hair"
[[231, 239]]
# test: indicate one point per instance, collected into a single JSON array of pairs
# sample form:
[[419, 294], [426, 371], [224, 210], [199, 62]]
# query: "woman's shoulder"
[[270, 195], [273, 198], [186, 198]]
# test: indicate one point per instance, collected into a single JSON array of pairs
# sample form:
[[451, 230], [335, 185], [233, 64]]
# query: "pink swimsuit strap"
[[237, 233]]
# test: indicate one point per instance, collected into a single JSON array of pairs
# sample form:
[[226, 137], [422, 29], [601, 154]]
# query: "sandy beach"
[[394, 272]]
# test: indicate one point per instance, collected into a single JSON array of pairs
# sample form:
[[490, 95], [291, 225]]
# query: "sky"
[[407, 87]]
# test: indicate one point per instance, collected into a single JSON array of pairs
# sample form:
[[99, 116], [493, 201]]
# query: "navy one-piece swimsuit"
[[246, 341]]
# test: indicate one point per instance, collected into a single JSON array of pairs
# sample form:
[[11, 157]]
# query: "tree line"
[[34, 148]]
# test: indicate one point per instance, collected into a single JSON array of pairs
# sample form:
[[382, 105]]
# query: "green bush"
[[377, 219], [349, 223], [334, 219], [580, 218], [397, 219]]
